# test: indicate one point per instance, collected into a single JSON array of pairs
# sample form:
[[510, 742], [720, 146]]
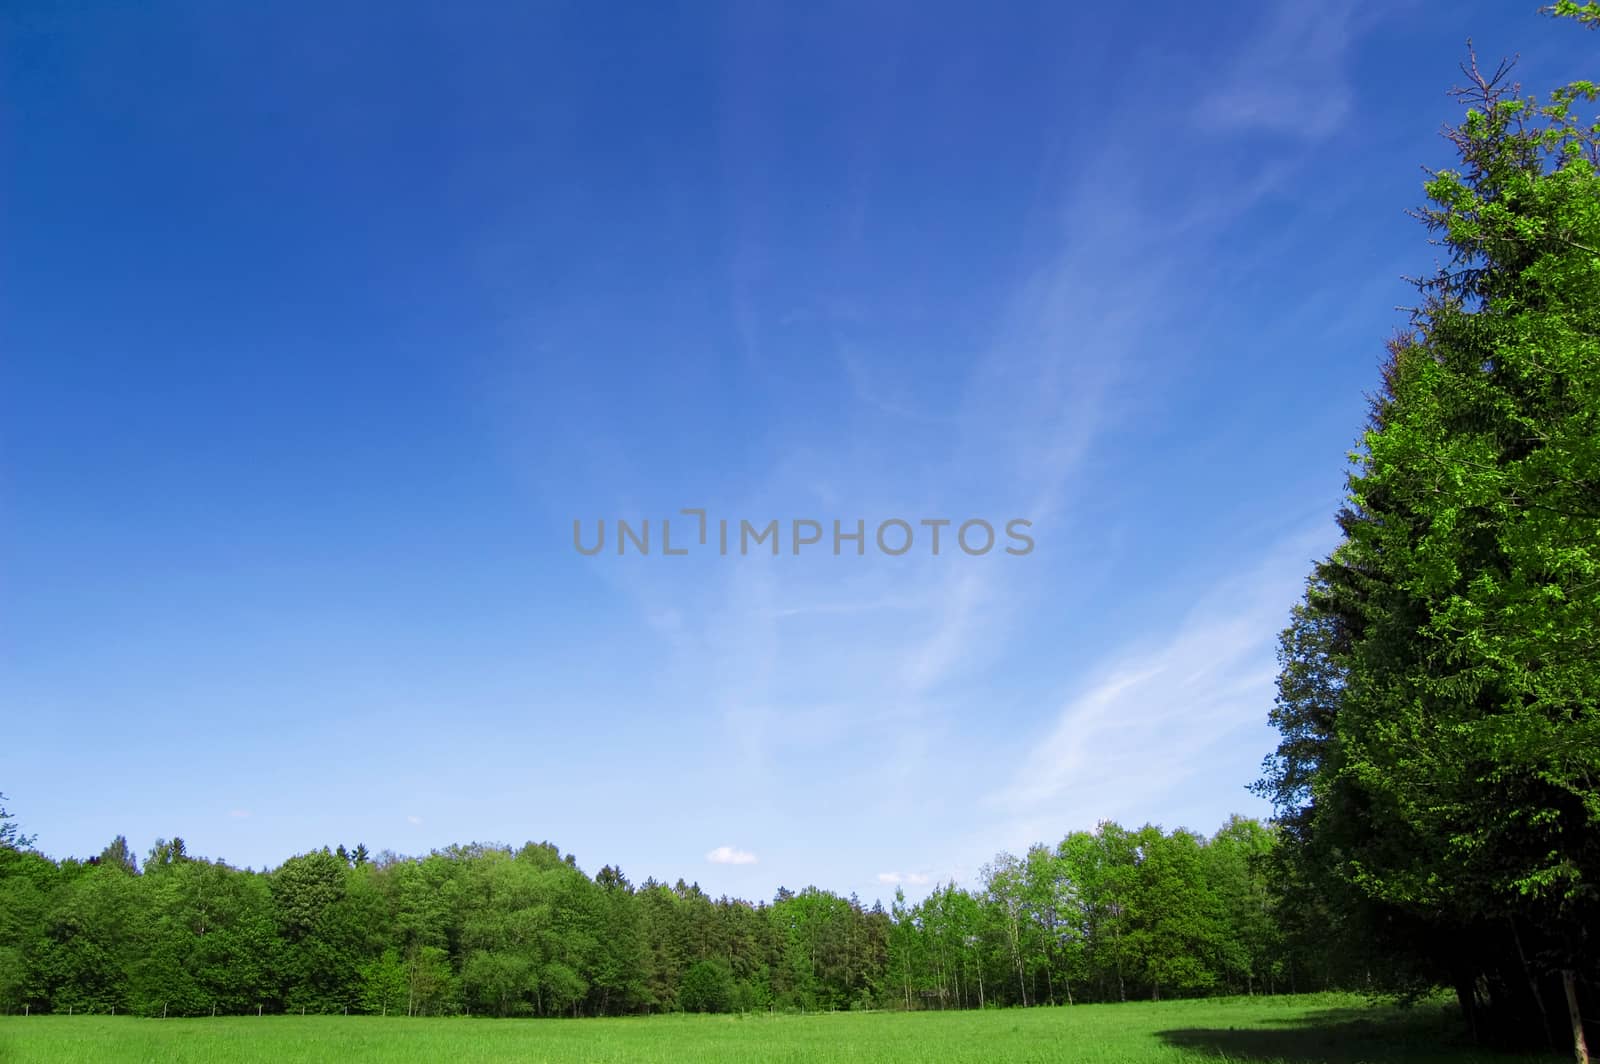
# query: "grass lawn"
[[1338, 1029]]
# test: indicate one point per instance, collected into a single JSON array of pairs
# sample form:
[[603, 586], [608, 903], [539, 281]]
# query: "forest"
[[485, 930]]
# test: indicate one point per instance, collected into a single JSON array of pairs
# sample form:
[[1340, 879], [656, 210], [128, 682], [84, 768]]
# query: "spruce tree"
[[1440, 700]]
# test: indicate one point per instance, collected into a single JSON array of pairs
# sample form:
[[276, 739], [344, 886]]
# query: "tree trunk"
[[1467, 998], [1580, 1048], [1116, 942], [1016, 959], [1533, 987]]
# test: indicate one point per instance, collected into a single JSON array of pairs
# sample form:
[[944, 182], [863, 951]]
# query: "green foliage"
[[1585, 12], [11, 836], [707, 987], [1439, 775], [490, 931], [1104, 916], [384, 985]]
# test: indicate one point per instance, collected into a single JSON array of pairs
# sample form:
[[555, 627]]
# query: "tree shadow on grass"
[[1421, 1035]]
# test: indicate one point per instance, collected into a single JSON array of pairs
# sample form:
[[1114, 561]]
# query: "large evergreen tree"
[[1439, 776]]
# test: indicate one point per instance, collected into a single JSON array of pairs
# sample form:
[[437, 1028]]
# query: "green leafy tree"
[[323, 945], [707, 987], [620, 952], [28, 883], [904, 960], [431, 985], [1239, 869], [1006, 884], [97, 932], [117, 854], [384, 985], [11, 836], [1175, 921]]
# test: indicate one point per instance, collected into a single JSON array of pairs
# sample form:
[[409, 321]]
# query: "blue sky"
[[318, 330]]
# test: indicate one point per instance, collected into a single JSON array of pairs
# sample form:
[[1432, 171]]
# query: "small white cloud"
[[239, 813], [910, 879], [413, 820], [730, 855]]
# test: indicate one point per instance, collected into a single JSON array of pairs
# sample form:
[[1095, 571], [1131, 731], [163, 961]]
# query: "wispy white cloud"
[[865, 672], [1291, 78], [1143, 727], [239, 814], [731, 855], [414, 820], [801, 659]]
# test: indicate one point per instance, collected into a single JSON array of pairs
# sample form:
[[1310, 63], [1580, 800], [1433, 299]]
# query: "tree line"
[[495, 931]]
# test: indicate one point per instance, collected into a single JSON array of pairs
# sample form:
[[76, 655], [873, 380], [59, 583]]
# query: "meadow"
[[1310, 1029]]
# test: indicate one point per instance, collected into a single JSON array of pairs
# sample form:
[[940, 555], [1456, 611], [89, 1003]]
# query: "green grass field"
[[1337, 1029]]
